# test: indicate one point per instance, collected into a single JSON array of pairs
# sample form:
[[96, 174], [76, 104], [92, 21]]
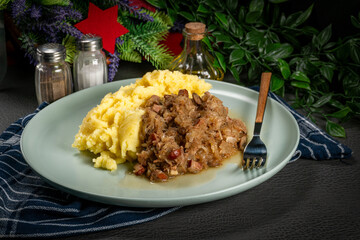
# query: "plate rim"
[[159, 202]]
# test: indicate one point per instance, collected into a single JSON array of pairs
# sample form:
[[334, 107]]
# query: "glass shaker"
[[195, 59], [52, 74], [90, 67]]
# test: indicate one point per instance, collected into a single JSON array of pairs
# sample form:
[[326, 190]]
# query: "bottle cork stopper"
[[196, 30]]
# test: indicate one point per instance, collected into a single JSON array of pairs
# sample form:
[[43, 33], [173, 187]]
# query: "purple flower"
[[18, 9], [124, 4], [71, 30], [114, 62], [35, 12], [178, 26], [113, 66], [64, 13]]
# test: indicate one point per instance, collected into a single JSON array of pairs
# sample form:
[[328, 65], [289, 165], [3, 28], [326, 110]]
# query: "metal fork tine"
[[259, 162], [255, 152]]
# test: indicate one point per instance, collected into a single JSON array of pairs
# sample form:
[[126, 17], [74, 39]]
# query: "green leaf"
[[335, 129], [240, 62], [341, 113], [355, 52], [343, 52], [355, 107], [237, 30], [355, 22], [303, 85], [223, 38], [276, 83], [55, 2], [303, 16], [277, 1], [335, 103], [327, 71], [322, 101], [235, 73], [253, 73], [242, 13], [202, 9], [236, 55], [284, 68], [300, 76], [291, 19], [273, 37], [256, 6], [252, 17], [211, 28], [330, 45], [323, 37], [157, 3], [232, 4], [331, 57], [254, 37], [208, 43], [221, 60], [187, 16], [275, 51], [309, 30], [222, 18]]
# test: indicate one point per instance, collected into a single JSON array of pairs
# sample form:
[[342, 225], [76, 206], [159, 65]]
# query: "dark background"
[[325, 12]]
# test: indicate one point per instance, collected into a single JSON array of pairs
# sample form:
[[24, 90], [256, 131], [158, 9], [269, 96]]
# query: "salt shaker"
[[52, 74], [195, 59], [90, 67]]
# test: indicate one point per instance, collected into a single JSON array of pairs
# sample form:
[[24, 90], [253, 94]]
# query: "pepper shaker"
[[90, 67], [52, 74]]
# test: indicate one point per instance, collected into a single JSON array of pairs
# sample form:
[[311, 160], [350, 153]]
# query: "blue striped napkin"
[[31, 208]]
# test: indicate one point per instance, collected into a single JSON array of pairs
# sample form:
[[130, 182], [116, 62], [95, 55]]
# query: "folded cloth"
[[29, 207], [314, 142]]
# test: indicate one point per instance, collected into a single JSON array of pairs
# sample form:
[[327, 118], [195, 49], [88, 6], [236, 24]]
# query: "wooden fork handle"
[[264, 89]]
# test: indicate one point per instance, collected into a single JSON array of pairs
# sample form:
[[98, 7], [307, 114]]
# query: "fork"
[[255, 152]]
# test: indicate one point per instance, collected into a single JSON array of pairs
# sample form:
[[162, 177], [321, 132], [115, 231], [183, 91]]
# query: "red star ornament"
[[104, 24]]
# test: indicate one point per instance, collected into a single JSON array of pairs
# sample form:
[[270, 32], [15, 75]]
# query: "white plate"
[[46, 146]]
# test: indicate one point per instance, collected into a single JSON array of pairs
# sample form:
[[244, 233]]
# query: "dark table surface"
[[306, 200]]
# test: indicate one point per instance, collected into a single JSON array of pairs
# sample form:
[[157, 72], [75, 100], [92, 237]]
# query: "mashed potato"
[[111, 129]]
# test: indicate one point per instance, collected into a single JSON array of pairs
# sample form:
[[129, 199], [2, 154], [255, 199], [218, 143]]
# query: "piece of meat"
[[186, 135]]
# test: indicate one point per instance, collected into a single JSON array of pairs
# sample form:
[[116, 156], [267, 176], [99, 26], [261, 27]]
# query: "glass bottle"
[[90, 67], [195, 59], [52, 74]]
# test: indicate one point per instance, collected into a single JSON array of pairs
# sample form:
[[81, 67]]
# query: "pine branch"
[[156, 54], [29, 42], [128, 51], [160, 17], [150, 31], [70, 45]]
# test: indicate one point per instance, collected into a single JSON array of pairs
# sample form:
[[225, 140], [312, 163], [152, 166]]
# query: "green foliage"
[[70, 45], [3, 4], [143, 40], [29, 42], [321, 72], [53, 2]]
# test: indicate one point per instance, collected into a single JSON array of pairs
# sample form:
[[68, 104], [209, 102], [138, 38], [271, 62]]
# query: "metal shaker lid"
[[51, 52], [89, 42]]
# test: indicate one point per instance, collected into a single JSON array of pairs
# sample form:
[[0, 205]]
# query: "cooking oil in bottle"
[[195, 59]]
